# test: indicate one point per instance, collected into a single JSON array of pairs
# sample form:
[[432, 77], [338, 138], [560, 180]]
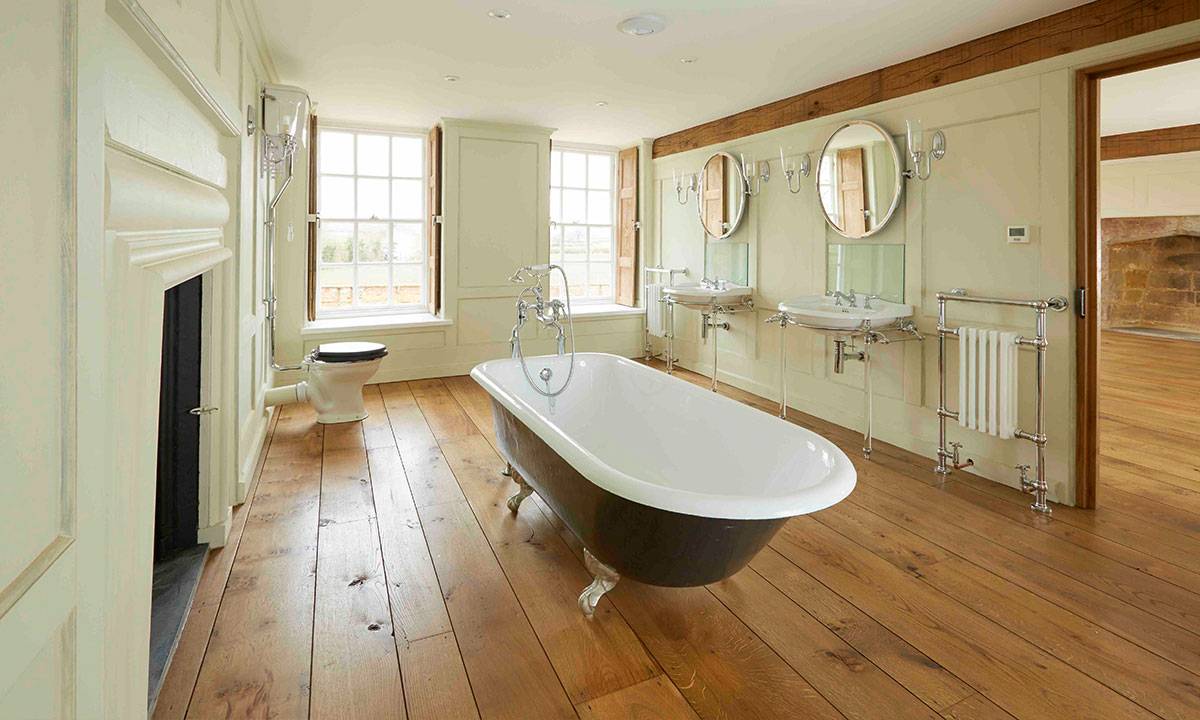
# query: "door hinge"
[[315, 218], [1081, 302], [637, 224], [204, 410], [438, 219]]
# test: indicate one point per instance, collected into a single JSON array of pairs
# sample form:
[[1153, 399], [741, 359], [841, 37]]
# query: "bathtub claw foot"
[[605, 579], [524, 491]]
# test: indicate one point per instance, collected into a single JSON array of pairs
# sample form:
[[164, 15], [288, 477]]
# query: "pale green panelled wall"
[[1010, 161]]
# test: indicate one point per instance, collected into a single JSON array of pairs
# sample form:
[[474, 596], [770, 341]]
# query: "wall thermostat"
[[1018, 234]]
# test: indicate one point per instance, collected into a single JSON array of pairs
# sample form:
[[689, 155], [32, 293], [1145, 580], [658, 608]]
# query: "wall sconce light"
[[751, 171], [916, 150], [790, 171], [692, 186]]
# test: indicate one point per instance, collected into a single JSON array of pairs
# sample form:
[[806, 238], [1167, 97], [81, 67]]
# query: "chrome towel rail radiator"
[[648, 350], [1037, 487]]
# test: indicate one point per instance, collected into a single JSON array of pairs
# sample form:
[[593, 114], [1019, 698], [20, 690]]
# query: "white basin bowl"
[[696, 294], [819, 312]]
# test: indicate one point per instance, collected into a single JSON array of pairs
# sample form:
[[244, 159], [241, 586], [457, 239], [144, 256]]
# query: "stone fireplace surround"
[[1150, 273]]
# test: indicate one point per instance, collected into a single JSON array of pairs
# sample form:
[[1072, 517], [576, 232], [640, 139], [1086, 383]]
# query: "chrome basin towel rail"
[[647, 272], [1036, 487], [902, 332]]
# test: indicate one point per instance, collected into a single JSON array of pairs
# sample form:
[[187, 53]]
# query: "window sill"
[[605, 310], [372, 324]]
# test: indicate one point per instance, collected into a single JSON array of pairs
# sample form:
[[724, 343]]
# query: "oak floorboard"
[[509, 672], [445, 416], [346, 486], [945, 527], [976, 707], [429, 478], [1015, 675], [1173, 539], [259, 655], [376, 430], [435, 682], [1146, 679], [418, 610], [1147, 562], [845, 677], [476, 403], [920, 674], [355, 667], [653, 699]]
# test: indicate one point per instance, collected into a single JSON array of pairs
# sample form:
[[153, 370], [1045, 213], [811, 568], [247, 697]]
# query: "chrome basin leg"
[[605, 579], [714, 344], [868, 433], [507, 471], [523, 491]]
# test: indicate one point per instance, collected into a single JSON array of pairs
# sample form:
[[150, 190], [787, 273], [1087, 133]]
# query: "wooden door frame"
[[1087, 253]]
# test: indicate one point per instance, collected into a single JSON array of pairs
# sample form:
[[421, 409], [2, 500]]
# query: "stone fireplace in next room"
[[1150, 274]]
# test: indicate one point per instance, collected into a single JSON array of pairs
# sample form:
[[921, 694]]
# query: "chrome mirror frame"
[[897, 194], [743, 183]]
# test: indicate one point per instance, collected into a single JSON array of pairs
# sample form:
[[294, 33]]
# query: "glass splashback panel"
[[874, 269], [727, 261]]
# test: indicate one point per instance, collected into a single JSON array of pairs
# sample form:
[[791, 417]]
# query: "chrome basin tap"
[[716, 284], [838, 296]]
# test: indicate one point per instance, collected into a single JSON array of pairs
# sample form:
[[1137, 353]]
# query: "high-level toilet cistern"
[[336, 371]]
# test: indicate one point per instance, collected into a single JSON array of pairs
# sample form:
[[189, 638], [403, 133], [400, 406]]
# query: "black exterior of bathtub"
[[656, 547]]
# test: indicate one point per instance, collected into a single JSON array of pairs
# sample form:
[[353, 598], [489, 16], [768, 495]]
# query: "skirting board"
[[250, 460], [217, 535]]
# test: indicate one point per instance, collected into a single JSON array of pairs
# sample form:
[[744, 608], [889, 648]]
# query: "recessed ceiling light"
[[642, 25], [687, 60], [499, 14], [601, 103], [451, 78]]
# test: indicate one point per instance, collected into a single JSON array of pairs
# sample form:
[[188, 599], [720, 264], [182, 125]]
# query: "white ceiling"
[[382, 62], [1160, 97]]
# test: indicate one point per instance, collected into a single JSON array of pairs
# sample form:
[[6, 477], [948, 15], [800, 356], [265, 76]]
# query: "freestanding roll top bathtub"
[[662, 481]]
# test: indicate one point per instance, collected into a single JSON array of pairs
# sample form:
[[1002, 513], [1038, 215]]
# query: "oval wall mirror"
[[859, 179], [723, 192]]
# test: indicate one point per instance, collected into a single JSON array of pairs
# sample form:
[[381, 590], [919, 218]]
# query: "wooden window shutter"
[[312, 212], [715, 177], [627, 226], [433, 196]]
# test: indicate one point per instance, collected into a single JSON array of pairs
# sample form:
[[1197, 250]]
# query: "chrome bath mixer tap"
[[550, 313]]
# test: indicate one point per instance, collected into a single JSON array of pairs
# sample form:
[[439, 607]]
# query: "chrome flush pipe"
[[270, 301]]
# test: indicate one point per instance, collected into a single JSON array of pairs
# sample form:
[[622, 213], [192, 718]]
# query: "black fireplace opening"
[[178, 557]]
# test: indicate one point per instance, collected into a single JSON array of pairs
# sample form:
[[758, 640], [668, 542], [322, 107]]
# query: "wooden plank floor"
[[375, 573]]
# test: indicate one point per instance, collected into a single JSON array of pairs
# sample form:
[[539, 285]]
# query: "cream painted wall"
[[1160, 185], [1010, 161], [496, 187]]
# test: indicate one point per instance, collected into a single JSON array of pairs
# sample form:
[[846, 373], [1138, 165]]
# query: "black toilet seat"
[[343, 352]]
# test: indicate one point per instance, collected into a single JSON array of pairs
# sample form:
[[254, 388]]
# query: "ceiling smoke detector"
[[642, 25]]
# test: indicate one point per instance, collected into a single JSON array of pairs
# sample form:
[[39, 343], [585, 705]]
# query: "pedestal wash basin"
[[700, 295], [823, 314]]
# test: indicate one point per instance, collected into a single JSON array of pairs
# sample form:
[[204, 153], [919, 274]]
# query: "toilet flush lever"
[[204, 410]]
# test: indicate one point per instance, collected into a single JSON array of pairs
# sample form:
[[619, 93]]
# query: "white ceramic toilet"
[[336, 375]]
